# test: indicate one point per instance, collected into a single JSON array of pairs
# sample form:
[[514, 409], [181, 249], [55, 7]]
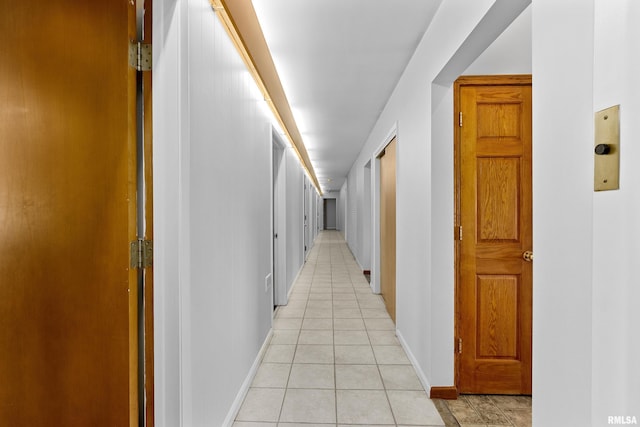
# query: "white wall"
[[212, 212], [562, 211], [616, 214], [420, 110]]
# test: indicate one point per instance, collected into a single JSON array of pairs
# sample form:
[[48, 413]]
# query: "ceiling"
[[339, 61]]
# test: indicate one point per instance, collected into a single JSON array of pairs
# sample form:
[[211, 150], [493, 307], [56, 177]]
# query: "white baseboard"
[[237, 403], [414, 362]]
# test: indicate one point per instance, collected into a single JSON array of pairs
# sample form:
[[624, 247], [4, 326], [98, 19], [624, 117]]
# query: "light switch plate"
[[607, 166], [268, 283]]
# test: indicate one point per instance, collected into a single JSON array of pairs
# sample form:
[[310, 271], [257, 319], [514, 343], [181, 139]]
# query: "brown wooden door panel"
[[494, 284], [388, 227], [67, 208]]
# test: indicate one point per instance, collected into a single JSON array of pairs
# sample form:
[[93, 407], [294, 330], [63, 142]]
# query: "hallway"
[[334, 358]]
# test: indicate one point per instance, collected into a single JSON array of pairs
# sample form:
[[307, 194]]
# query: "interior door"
[[494, 287], [68, 299], [388, 227]]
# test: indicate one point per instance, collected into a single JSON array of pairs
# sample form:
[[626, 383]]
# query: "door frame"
[[279, 212], [507, 79], [145, 125], [375, 204]]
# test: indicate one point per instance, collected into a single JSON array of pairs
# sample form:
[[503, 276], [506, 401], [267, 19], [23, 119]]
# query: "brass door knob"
[[527, 256]]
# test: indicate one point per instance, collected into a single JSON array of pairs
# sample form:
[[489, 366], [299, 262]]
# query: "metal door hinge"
[[460, 119], [141, 253], [459, 232], [140, 55], [459, 345]]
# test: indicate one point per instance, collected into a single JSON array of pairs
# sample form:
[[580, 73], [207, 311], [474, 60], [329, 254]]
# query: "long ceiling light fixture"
[[241, 22]]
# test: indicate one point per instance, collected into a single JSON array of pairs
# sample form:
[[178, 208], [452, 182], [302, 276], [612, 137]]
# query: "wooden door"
[[68, 298], [388, 227], [494, 286]]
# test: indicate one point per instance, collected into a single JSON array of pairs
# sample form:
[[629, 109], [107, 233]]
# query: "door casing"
[[502, 80]]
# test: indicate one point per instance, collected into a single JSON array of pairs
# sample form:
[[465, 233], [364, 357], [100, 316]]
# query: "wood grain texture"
[[67, 193], [448, 393], [493, 206]]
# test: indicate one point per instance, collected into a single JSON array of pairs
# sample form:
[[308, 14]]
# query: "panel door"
[[495, 281], [388, 227], [68, 299]]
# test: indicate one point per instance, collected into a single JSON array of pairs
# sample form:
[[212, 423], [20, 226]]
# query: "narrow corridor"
[[334, 358]]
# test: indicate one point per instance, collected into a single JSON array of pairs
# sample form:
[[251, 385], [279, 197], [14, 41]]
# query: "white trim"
[[421, 375], [244, 389]]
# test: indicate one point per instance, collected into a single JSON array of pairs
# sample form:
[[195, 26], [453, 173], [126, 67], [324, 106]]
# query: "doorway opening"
[[387, 159], [330, 214], [279, 224]]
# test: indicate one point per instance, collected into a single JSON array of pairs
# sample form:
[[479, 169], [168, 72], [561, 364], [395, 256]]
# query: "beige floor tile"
[[370, 303], [358, 377], [317, 324], [375, 313], [390, 355], [309, 406], [252, 424], [312, 376], [272, 375], [383, 338], [261, 404], [344, 297], [304, 425], [289, 312], [519, 417], [346, 284], [463, 412], [512, 402], [380, 324], [345, 291], [351, 338], [400, 377], [287, 324], [318, 313], [414, 407], [338, 303], [487, 409], [279, 353], [354, 355], [285, 336], [347, 313], [363, 407], [320, 304], [348, 324], [313, 336], [314, 354], [320, 297]]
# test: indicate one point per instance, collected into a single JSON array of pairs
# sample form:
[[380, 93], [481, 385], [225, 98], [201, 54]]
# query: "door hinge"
[[459, 232], [141, 253], [459, 345], [460, 119], [140, 55]]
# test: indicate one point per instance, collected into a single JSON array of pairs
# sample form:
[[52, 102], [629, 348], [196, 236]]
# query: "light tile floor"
[[334, 359]]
